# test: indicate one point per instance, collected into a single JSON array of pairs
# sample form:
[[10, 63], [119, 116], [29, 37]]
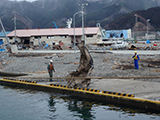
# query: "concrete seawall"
[[94, 94]]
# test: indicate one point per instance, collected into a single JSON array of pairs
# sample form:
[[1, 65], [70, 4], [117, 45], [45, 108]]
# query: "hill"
[[42, 13], [128, 21]]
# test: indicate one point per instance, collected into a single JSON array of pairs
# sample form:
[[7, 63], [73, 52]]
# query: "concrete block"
[[14, 49]]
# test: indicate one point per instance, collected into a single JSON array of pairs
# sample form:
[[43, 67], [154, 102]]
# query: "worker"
[[136, 59], [50, 69]]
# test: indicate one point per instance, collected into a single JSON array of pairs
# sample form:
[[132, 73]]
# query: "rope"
[[147, 77]]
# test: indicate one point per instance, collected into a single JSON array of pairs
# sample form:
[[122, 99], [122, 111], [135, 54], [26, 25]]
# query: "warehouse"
[[33, 37]]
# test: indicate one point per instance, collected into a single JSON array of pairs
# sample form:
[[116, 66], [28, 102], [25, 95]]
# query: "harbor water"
[[22, 104]]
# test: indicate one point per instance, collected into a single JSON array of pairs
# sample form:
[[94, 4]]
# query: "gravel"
[[105, 64]]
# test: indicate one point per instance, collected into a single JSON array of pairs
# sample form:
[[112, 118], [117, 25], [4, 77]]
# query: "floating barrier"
[[20, 80], [89, 93], [94, 90]]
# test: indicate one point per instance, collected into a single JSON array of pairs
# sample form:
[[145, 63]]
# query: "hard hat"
[[135, 52], [51, 60]]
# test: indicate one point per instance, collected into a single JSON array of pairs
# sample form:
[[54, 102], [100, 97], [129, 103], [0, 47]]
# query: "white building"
[[33, 36]]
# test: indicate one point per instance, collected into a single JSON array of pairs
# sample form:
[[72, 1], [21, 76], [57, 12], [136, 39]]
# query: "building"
[[35, 36], [3, 37], [124, 34]]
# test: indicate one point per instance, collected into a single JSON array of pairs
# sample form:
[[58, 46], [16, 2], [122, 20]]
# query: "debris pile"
[[141, 46], [3, 61], [122, 66], [42, 45], [128, 46], [84, 69], [145, 63]]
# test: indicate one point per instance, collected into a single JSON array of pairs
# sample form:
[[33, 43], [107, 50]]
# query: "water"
[[22, 104]]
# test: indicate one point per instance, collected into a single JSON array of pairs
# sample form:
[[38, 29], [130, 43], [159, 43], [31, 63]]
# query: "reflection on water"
[[86, 109], [81, 108], [21, 104]]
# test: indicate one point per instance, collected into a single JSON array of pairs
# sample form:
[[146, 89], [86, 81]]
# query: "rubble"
[[144, 46], [128, 46], [84, 69]]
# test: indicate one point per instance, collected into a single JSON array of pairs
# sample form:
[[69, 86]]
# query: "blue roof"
[[3, 35]]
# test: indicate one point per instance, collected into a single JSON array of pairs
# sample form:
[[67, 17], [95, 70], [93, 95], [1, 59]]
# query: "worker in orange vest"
[[136, 59], [50, 69]]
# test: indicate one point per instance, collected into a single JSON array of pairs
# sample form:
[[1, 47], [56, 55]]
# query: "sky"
[[24, 0]]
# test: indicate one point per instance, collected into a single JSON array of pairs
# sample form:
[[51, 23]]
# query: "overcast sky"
[[24, 0]]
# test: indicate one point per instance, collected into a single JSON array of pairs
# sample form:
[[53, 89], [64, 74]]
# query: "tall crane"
[[5, 33], [55, 25]]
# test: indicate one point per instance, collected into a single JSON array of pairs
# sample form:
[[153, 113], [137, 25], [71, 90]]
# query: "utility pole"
[[74, 29], [15, 28], [135, 38], [147, 27], [86, 4]]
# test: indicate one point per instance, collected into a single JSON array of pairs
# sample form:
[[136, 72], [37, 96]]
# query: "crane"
[[5, 33], [55, 25]]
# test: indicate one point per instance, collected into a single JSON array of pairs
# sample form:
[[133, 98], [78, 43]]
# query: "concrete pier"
[[141, 89]]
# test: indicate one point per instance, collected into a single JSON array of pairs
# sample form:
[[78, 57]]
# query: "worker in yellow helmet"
[[136, 59]]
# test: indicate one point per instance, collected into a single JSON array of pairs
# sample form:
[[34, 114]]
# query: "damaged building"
[[32, 37]]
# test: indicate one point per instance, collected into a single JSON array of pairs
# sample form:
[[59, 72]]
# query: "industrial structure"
[[123, 34]]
